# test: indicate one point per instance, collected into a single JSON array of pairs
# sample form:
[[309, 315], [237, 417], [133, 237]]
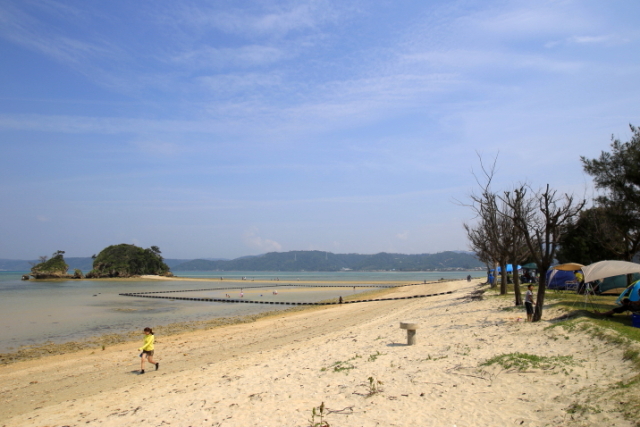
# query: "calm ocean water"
[[35, 312]]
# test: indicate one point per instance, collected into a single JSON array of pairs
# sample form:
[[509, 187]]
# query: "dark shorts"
[[621, 309], [529, 307], [148, 352]]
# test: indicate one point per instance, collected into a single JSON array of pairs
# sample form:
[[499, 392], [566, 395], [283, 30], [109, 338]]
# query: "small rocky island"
[[114, 261], [128, 261], [53, 268]]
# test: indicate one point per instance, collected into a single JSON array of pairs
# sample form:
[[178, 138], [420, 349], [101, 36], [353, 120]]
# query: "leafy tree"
[[618, 173], [590, 238]]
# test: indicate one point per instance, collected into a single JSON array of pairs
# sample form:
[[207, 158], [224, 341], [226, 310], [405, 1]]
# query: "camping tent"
[[530, 266], [631, 292], [571, 266], [602, 269], [509, 268], [615, 282], [560, 279]]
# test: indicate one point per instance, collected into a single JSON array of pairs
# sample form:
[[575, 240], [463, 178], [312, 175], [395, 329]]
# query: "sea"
[[58, 311]]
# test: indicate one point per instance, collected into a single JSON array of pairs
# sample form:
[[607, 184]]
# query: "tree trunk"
[[542, 287], [516, 285], [503, 276], [494, 282]]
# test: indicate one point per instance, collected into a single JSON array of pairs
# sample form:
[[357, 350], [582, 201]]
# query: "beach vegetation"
[[343, 366], [435, 358], [317, 417], [126, 260], [373, 357], [374, 386], [524, 361], [577, 408]]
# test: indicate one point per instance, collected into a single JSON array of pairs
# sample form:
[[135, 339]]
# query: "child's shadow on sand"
[[397, 344]]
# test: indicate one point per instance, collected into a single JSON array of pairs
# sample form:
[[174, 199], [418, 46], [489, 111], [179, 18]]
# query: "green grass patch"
[[343, 366], [576, 408], [373, 357], [525, 361]]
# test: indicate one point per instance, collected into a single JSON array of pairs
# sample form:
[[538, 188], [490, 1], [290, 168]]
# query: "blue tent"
[[559, 279], [632, 292], [509, 268]]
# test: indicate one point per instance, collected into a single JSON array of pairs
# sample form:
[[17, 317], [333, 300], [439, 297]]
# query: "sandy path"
[[272, 372]]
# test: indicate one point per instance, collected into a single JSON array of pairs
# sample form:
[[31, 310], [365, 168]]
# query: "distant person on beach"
[[469, 278], [627, 305], [528, 302], [147, 350]]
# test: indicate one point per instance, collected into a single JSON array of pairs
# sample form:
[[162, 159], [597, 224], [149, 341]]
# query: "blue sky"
[[229, 128]]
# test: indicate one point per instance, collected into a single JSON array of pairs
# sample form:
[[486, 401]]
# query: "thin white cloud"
[[269, 19], [606, 39], [32, 33], [253, 241], [464, 60], [232, 83], [590, 39], [159, 148], [403, 236], [526, 18], [244, 56]]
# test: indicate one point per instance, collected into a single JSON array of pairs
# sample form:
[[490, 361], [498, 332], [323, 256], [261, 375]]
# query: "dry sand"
[[274, 371]]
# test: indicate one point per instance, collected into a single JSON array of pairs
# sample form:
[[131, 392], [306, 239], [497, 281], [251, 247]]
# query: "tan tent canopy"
[[604, 269], [571, 266]]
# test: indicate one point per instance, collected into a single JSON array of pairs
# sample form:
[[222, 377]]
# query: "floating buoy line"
[[155, 294]]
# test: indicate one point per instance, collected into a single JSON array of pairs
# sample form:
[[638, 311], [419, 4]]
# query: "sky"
[[231, 128]]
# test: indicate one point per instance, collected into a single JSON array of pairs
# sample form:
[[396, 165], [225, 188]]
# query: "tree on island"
[[126, 260], [55, 267]]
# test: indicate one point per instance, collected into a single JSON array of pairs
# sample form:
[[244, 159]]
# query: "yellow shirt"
[[148, 343]]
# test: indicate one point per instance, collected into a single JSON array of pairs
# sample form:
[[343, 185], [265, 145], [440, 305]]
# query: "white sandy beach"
[[274, 371]]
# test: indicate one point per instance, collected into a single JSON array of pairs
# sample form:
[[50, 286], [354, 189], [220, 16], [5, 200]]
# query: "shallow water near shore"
[[35, 312]]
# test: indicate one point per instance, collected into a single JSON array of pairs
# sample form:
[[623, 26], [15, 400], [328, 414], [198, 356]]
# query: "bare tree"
[[482, 235], [495, 238], [542, 219]]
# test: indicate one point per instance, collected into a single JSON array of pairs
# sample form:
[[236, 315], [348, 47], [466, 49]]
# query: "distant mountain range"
[[297, 261], [327, 261]]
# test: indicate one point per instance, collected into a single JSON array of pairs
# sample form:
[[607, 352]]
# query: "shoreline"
[[45, 349], [353, 358]]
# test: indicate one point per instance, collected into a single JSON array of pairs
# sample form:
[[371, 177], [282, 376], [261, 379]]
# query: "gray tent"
[[603, 269]]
